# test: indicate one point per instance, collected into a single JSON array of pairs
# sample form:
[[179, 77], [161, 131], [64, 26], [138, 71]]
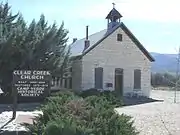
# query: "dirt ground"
[[156, 118]]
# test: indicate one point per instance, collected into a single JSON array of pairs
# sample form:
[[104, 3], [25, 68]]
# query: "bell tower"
[[113, 18]]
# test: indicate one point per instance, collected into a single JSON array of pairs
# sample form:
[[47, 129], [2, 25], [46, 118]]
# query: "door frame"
[[121, 73]]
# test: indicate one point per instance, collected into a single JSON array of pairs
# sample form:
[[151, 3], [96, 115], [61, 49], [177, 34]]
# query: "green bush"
[[106, 96], [89, 92], [66, 113]]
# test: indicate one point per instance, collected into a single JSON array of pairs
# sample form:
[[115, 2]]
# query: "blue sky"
[[156, 23]]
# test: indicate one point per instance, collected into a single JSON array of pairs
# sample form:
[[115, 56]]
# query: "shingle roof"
[[78, 46]]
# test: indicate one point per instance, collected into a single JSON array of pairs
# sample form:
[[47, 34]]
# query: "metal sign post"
[[14, 96], [14, 103]]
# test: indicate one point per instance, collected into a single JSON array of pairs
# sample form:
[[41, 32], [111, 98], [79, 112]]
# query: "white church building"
[[111, 59]]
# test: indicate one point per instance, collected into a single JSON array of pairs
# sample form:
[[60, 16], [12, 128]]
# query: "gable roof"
[[77, 48]]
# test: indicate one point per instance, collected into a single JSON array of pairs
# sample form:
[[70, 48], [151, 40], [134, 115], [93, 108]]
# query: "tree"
[[38, 46], [163, 79]]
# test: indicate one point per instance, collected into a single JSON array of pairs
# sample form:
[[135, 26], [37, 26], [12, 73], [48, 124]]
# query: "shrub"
[[89, 92], [106, 96], [69, 114]]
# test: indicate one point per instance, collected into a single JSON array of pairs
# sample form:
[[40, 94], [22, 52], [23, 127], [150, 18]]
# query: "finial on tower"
[[113, 5], [113, 18]]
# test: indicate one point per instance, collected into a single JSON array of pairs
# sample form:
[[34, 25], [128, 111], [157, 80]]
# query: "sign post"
[[30, 83], [14, 103]]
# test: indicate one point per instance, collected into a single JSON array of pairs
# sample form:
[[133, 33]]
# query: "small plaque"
[[109, 85]]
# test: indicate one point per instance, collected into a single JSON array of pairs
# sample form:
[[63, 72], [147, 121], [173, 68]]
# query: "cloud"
[[151, 10]]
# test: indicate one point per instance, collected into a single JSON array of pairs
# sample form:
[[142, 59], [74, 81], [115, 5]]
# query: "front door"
[[119, 81]]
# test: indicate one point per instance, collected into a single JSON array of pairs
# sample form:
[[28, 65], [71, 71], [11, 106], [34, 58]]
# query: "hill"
[[164, 62]]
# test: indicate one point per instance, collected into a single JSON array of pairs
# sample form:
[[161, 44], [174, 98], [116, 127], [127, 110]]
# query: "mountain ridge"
[[164, 62]]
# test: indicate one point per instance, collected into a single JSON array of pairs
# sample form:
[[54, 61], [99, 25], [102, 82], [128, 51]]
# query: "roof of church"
[[113, 13], [77, 48]]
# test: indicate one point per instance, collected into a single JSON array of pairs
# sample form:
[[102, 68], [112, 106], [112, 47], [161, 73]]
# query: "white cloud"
[[153, 10]]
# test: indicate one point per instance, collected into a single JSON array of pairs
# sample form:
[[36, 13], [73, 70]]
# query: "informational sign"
[[29, 83]]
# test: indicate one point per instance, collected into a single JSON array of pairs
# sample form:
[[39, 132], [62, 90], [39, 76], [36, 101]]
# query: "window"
[[119, 37], [98, 78], [137, 79], [70, 70], [65, 83], [70, 82]]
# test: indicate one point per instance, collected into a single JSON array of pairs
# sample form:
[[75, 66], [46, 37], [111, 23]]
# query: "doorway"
[[119, 81]]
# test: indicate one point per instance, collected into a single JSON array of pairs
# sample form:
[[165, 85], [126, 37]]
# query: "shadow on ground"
[[128, 101], [21, 107]]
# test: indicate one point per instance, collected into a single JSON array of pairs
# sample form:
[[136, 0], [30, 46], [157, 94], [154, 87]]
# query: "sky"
[[156, 23]]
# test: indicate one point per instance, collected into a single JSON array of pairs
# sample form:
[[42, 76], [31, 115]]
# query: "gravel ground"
[[24, 113], [156, 118], [14, 125]]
